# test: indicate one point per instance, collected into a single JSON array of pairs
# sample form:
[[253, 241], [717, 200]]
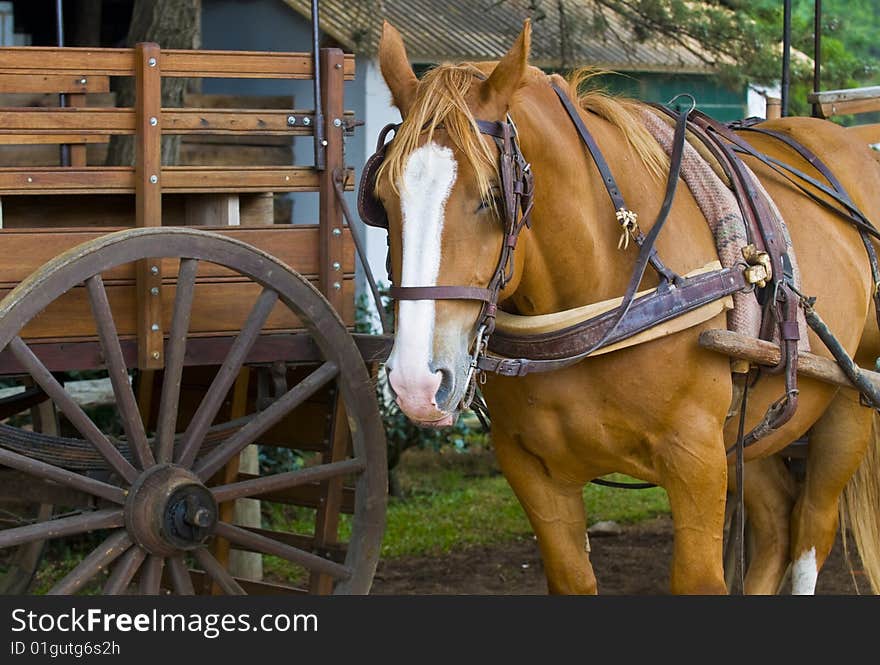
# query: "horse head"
[[443, 190]]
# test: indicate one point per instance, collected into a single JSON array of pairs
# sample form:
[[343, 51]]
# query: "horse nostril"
[[445, 390], [388, 384]]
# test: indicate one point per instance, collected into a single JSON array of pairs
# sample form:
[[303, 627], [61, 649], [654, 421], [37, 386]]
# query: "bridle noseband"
[[517, 188]]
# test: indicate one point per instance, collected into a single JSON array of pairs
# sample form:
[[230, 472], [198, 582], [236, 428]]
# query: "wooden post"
[[330, 494], [774, 108], [148, 201], [237, 409], [330, 249]]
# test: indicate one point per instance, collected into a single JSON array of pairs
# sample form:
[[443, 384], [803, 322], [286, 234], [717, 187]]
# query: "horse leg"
[[837, 444], [696, 482], [555, 509], [769, 493]]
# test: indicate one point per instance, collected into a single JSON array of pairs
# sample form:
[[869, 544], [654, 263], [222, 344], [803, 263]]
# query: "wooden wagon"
[[216, 328]]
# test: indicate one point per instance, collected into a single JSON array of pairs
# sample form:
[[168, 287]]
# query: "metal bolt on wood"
[[154, 291], [154, 179], [154, 327], [83, 81], [307, 121], [154, 270], [337, 286], [151, 62], [154, 121], [155, 355], [291, 120], [337, 122], [336, 266], [337, 232]]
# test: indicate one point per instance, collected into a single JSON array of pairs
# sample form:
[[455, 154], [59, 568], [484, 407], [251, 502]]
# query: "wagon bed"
[[176, 282]]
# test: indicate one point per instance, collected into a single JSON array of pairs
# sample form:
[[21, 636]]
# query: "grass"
[[461, 499], [452, 500], [448, 500]]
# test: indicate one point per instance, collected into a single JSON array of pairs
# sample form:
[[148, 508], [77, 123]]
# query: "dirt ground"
[[636, 562]]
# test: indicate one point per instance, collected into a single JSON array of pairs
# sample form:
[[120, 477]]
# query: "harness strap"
[[820, 166], [442, 293], [609, 181]]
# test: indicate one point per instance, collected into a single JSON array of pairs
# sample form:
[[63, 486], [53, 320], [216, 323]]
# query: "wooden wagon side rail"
[[173, 179], [86, 62]]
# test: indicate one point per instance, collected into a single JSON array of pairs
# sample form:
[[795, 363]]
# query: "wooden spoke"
[[218, 573], [118, 371], [214, 461], [151, 576], [180, 577], [281, 481], [62, 476], [101, 557], [174, 355], [266, 545], [71, 409], [63, 526], [124, 571], [207, 411]]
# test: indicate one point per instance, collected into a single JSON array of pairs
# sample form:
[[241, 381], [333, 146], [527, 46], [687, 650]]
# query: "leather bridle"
[[517, 187]]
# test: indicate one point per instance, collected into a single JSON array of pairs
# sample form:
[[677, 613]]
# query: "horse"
[[657, 411]]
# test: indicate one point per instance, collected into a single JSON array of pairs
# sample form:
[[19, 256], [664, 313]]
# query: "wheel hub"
[[168, 509]]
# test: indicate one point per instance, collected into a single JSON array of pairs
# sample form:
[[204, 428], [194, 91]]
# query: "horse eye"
[[495, 195]]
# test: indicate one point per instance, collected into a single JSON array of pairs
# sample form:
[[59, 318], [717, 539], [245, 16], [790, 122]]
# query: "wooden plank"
[[108, 121], [148, 202], [244, 64], [844, 95], [53, 83], [175, 180], [27, 250], [308, 495], [220, 308], [48, 139], [121, 62], [201, 350], [331, 222], [853, 106], [35, 121]]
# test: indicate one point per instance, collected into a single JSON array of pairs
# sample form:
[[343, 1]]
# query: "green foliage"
[[742, 38]]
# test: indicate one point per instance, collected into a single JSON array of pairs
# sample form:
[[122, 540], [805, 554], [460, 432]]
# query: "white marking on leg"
[[424, 189], [804, 574]]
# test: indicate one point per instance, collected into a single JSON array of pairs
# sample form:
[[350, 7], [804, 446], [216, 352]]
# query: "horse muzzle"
[[424, 397]]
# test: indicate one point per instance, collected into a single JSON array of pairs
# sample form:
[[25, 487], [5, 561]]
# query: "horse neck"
[[571, 254]]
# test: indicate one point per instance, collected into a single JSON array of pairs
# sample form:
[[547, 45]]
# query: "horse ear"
[[396, 70], [509, 71]]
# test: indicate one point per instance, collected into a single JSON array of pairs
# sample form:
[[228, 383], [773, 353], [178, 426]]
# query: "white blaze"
[[424, 189], [804, 574]]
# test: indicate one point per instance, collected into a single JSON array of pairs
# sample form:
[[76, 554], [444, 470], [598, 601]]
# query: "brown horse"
[[656, 411]]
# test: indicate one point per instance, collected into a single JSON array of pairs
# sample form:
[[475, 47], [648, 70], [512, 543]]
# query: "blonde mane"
[[625, 114], [441, 103]]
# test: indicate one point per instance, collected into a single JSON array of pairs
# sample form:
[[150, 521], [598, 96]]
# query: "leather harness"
[[675, 295]]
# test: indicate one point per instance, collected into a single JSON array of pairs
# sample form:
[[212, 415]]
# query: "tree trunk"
[[88, 23], [171, 24]]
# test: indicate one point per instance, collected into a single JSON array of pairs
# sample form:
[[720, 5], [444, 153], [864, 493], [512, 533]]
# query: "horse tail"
[[860, 508]]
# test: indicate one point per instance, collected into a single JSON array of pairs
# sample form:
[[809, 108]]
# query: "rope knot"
[[629, 222]]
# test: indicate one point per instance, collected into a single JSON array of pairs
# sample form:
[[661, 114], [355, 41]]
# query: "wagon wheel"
[[153, 501], [19, 565]]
